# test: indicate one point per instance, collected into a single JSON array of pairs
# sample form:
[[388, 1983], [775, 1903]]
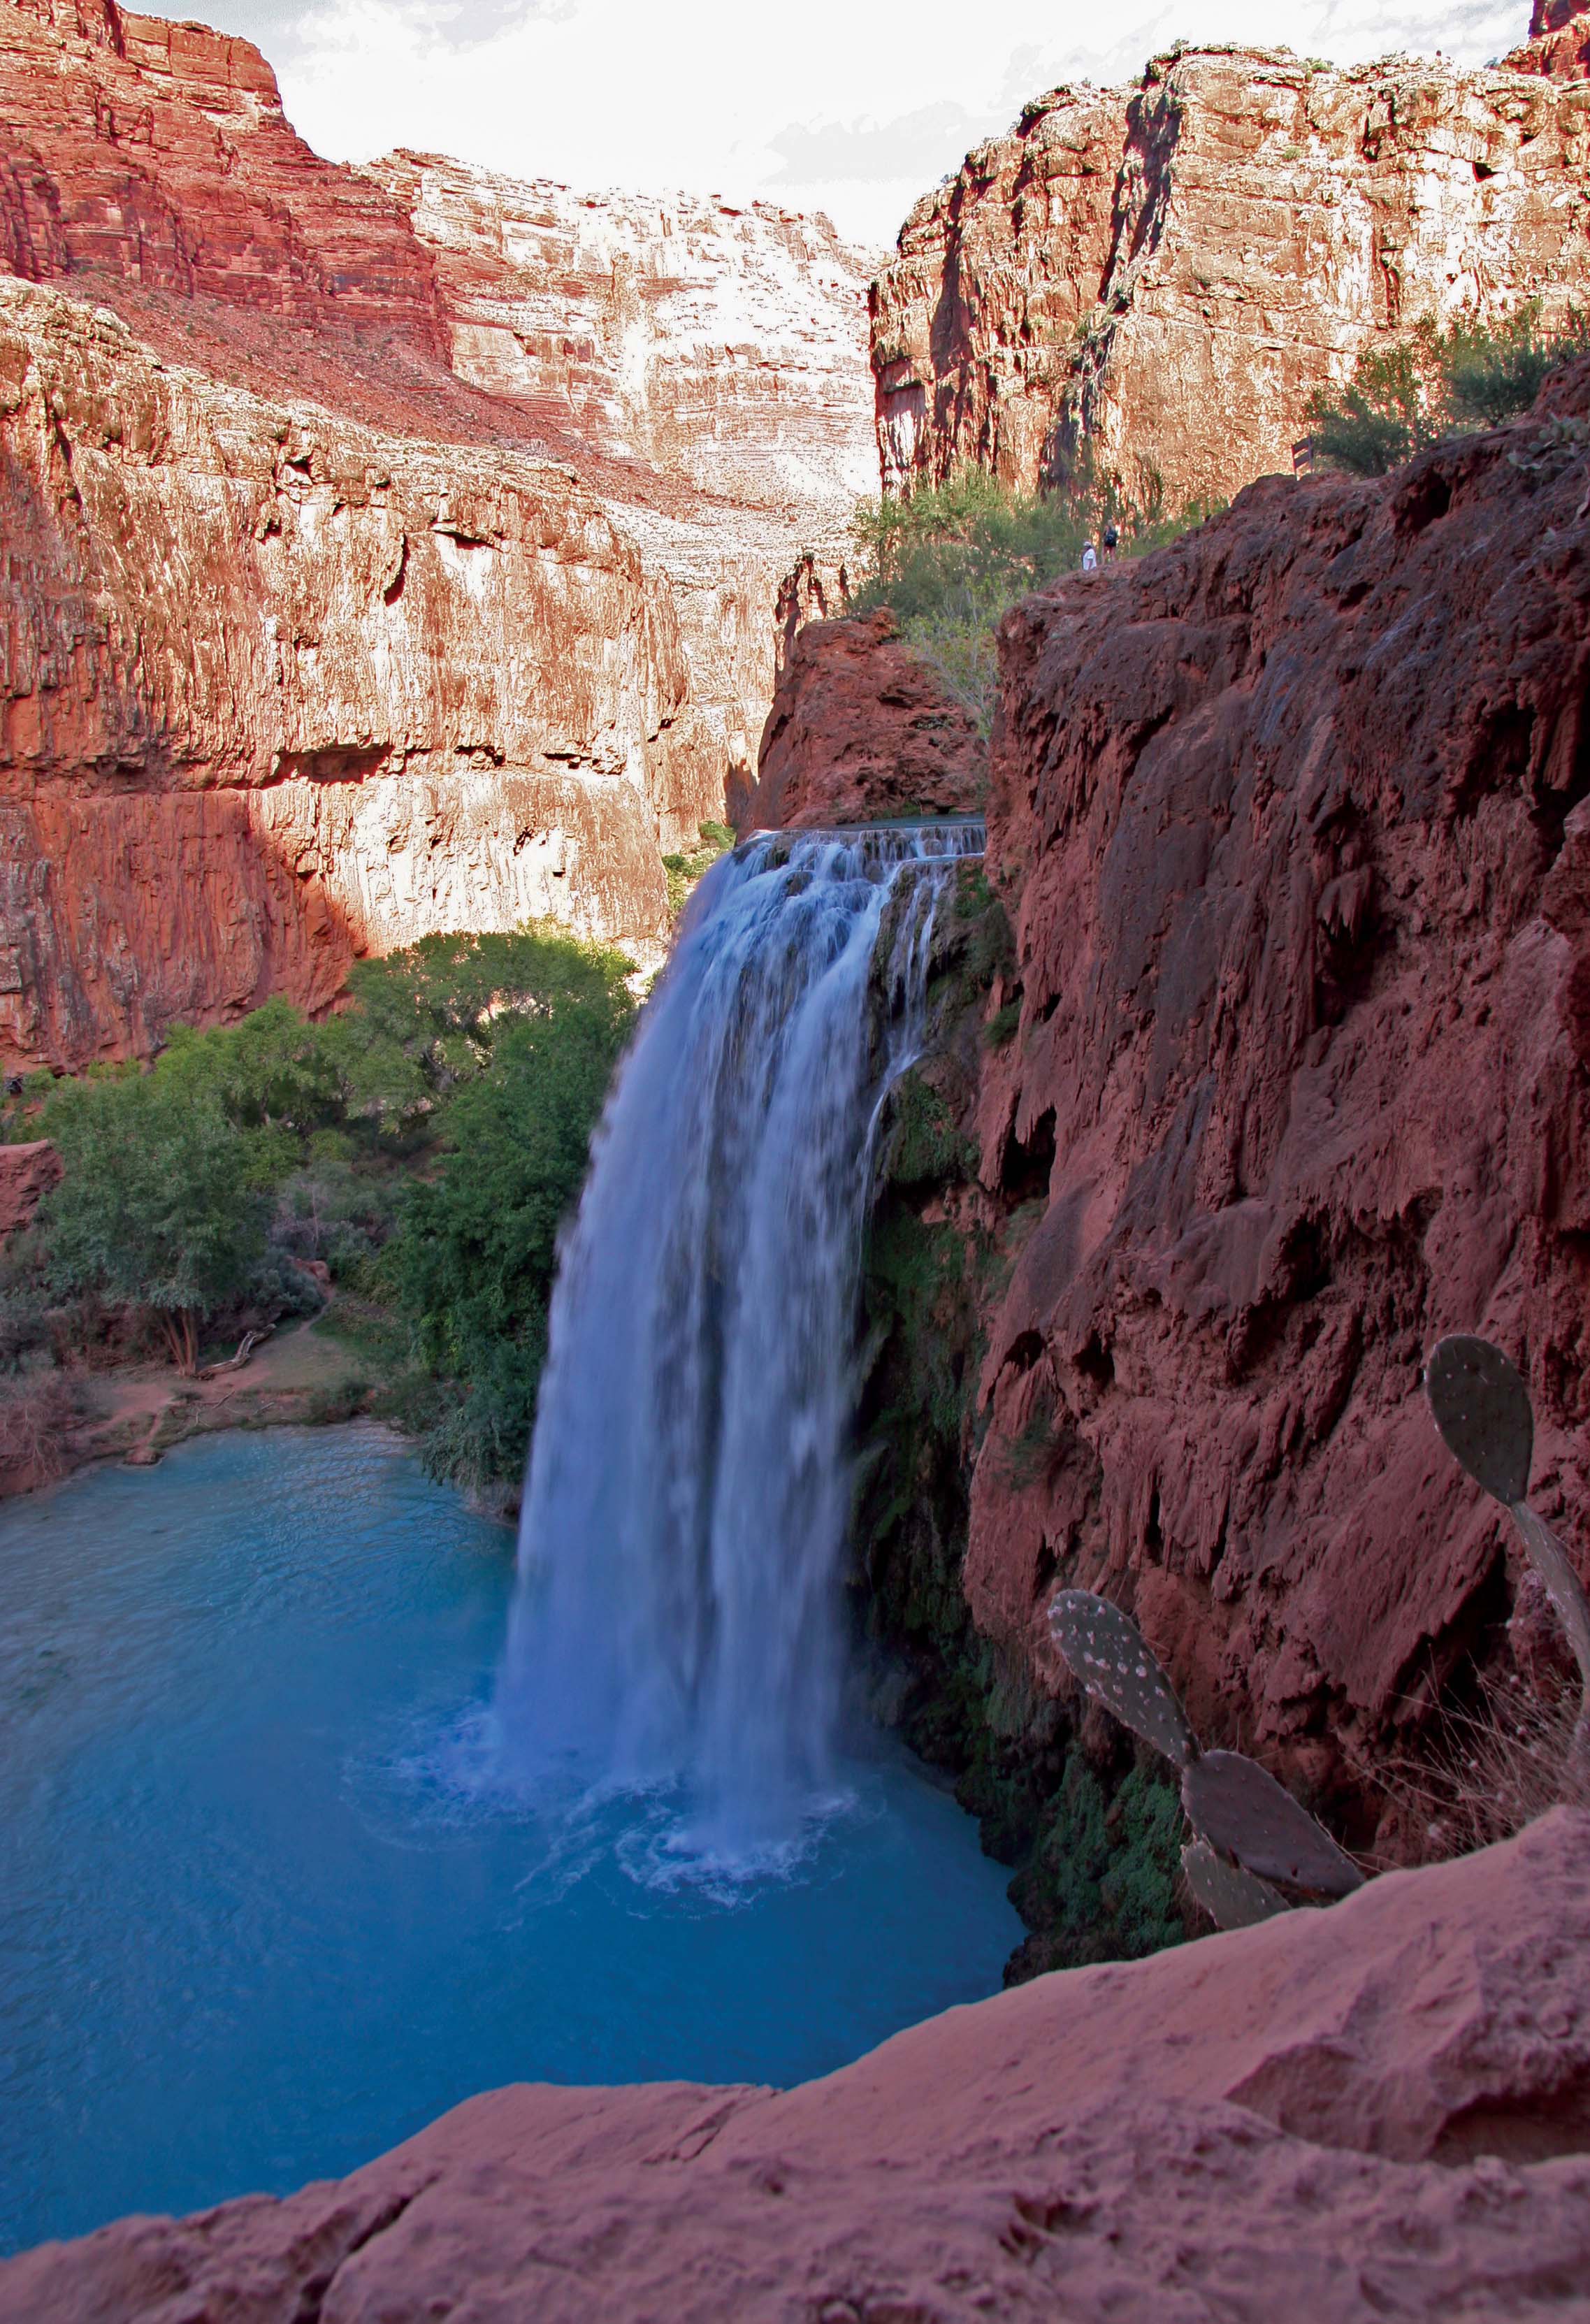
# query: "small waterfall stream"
[[676, 1621]]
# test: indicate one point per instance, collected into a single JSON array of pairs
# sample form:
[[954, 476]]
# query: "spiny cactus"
[[1104, 1648], [1243, 1812], [1233, 1898], [1487, 1423], [1251, 1829]]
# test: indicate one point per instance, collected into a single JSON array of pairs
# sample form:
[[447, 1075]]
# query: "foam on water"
[[260, 1918]]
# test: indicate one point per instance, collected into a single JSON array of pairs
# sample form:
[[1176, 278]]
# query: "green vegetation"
[[684, 870], [1432, 385], [423, 1147], [1094, 1846], [951, 559]]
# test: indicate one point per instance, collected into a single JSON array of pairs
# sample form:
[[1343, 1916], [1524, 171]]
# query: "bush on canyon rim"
[[949, 559], [1434, 383]]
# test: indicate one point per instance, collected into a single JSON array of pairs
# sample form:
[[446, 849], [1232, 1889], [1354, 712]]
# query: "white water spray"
[[685, 1515]]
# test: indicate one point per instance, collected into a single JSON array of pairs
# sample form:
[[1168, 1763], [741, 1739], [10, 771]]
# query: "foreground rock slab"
[[1383, 2111]]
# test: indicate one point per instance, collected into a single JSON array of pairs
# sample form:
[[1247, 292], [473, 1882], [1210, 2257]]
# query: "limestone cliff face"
[[1560, 41], [397, 549], [278, 689], [712, 360], [862, 728], [1166, 272]]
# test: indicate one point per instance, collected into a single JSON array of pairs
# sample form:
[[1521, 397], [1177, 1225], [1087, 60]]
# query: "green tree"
[[1388, 412], [474, 1258], [949, 559], [426, 1020], [1493, 373], [161, 1205]]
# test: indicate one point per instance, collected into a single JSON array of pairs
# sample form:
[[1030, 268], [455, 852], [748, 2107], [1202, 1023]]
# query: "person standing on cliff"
[[1089, 558], [1112, 541]]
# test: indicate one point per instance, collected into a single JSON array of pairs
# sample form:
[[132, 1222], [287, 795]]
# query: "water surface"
[[254, 1925]]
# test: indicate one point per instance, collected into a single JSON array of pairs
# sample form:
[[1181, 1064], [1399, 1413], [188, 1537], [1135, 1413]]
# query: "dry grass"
[[1489, 1771], [37, 1411]]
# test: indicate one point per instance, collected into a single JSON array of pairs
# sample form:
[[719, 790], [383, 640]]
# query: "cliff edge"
[[1383, 2110]]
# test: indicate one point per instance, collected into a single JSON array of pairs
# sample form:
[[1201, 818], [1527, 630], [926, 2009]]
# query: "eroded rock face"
[[1165, 272], [1560, 41], [480, 636], [27, 1173], [711, 361], [1385, 2107], [863, 729], [1292, 822], [278, 690]]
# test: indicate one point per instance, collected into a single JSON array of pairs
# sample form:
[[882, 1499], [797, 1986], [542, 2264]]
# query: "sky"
[[851, 106]]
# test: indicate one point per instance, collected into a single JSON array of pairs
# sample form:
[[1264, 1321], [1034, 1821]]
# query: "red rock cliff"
[[1167, 271], [1293, 820], [366, 579]]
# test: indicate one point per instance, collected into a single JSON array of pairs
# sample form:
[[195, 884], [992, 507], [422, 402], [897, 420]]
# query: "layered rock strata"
[[278, 690], [1386, 2109], [715, 359], [862, 728], [1292, 820], [433, 578], [1156, 278]]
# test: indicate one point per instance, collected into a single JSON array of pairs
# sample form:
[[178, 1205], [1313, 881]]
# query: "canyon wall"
[[1162, 274], [278, 689], [395, 549], [713, 359], [1291, 1076]]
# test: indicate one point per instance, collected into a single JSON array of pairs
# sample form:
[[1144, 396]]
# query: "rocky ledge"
[[1383, 2111]]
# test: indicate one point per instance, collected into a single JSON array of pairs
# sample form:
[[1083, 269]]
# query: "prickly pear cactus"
[[1483, 1410], [1243, 1812], [1104, 1650], [1550, 1562], [1232, 1897]]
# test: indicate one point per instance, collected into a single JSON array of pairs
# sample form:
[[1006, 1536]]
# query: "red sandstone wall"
[[1167, 271], [1293, 821]]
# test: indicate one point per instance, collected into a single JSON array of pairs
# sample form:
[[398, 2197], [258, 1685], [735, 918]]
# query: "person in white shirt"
[[1089, 558]]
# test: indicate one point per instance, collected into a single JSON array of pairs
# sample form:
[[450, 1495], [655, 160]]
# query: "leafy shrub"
[[474, 1258], [1433, 383], [1382, 419], [949, 559], [37, 1408], [684, 871]]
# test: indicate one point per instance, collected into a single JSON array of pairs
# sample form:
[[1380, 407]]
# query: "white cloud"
[[853, 107]]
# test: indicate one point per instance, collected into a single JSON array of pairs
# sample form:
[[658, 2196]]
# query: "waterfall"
[[677, 1619]]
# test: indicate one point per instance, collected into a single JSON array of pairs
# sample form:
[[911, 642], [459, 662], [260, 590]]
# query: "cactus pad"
[[1481, 1408], [1232, 1897], [1551, 1562], [1103, 1649], [1242, 1811]]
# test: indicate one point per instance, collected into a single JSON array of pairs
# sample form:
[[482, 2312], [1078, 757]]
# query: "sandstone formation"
[[397, 548], [714, 360], [1292, 822], [1560, 41], [862, 728], [1161, 275], [27, 1173], [1381, 2110], [278, 689]]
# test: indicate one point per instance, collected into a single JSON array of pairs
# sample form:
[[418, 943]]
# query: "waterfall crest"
[[676, 1619]]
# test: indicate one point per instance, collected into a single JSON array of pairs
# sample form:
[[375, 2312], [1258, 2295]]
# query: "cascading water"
[[676, 1616]]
